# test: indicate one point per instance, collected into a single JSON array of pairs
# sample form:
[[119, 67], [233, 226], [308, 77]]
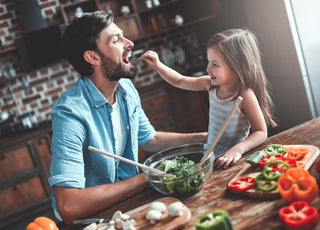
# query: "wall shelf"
[[142, 22]]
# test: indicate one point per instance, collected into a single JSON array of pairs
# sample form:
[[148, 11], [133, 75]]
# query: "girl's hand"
[[151, 58], [227, 159]]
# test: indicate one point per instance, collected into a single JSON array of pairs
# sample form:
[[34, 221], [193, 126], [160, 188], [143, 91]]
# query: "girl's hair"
[[82, 35], [239, 47]]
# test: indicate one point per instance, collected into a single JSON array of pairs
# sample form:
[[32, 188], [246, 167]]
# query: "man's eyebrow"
[[115, 35]]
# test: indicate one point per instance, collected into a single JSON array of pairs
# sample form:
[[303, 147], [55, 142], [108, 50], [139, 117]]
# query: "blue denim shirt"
[[82, 117]]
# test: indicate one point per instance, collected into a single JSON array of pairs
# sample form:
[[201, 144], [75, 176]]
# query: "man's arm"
[[163, 140], [74, 203]]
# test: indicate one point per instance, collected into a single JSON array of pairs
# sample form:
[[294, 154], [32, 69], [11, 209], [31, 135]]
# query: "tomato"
[[42, 223]]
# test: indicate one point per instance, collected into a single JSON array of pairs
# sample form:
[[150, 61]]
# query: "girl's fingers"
[[228, 163], [221, 161]]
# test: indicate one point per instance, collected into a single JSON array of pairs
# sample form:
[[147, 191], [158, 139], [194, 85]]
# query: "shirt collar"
[[97, 97]]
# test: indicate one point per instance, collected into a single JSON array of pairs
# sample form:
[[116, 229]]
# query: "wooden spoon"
[[223, 127]]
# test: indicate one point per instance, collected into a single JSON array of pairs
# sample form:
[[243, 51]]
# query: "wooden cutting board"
[[167, 222], [308, 159]]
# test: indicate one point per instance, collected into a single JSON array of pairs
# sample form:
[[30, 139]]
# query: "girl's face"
[[218, 69]]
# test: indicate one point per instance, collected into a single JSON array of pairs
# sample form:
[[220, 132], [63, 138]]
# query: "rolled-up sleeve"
[[146, 130], [67, 163]]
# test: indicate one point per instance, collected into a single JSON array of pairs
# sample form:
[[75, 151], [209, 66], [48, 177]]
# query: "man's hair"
[[82, 35]]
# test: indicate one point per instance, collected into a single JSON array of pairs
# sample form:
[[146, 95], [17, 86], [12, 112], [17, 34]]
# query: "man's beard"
[[115, 71]]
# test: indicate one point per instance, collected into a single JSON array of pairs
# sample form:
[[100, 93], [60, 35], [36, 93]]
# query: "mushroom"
[[117, 218], [108, 227], [153, 216], [175, 209], [129, 224], [92, 226], [157, 205]]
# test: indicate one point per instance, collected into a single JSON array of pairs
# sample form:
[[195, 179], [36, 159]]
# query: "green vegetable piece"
[[254, 175], [255, 158], [216, 220], [180, 167], [265, 184], [274, 149], [170, 164], [274, 169]]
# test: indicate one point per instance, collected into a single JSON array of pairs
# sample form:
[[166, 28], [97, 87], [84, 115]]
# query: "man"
[[102, 110]]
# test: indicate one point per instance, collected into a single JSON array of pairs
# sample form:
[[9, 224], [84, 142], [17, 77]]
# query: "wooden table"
[[246, 213]]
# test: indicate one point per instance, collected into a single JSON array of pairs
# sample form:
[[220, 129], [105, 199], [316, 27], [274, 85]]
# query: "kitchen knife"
[[92, 220]]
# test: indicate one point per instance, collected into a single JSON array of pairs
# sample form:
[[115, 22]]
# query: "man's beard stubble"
[[115, 71]]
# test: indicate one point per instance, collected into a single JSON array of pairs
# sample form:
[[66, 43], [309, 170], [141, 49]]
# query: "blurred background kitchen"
[[33, 74]]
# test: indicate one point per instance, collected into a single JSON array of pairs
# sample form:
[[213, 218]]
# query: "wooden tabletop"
[[245, 212]]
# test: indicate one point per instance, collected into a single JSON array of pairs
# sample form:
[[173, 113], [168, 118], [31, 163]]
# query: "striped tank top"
[[236, 131]]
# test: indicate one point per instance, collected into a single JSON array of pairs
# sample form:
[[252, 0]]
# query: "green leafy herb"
[[177, 168]]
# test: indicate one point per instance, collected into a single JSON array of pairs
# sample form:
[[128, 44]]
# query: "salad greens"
[[181, 167]]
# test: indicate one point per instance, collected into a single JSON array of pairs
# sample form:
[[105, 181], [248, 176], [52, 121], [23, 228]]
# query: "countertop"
[[245, 212]]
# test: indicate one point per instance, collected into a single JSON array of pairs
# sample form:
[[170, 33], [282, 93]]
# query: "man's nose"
[[128, 43]]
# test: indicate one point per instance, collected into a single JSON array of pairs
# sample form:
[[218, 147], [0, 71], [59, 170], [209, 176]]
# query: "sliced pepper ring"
[[243, 183], [275, 169], [302, 151], [218, 219], [299, 215], [269, 158], [265, 184], [274, 149]]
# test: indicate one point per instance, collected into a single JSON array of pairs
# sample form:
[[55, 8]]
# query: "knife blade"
[[92, 220]]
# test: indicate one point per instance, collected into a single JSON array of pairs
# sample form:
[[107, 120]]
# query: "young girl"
[[234, 69]]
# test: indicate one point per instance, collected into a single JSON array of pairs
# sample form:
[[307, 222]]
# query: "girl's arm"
[[173, 77], [258, 135]]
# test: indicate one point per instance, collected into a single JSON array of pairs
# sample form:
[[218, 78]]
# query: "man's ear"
[[92, 57]]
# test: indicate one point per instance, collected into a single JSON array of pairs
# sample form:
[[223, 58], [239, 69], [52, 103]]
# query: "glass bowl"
[[193, 177]]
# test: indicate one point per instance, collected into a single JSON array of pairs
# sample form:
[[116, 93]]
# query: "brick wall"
[[37, 91]]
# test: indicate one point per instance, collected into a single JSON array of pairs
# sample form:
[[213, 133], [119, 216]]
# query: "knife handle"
[[88, 221]]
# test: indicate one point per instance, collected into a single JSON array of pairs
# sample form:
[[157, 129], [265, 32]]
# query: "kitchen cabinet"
[[171, 14], [171, 109], [126, 19], [24, 171], [144, 18], [174, 110]]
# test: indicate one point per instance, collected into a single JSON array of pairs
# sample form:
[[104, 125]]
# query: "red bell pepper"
[[293, 163], [269, 158], [243, 183], [299, 216]]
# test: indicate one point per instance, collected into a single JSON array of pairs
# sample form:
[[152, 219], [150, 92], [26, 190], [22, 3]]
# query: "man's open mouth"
[[126, 56]]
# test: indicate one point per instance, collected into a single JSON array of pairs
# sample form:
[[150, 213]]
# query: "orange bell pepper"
[[296, 152], [296, 184], [300, 164], [42, 223]]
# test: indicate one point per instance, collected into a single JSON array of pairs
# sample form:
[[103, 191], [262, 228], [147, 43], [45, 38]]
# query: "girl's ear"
[[92, 57]]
